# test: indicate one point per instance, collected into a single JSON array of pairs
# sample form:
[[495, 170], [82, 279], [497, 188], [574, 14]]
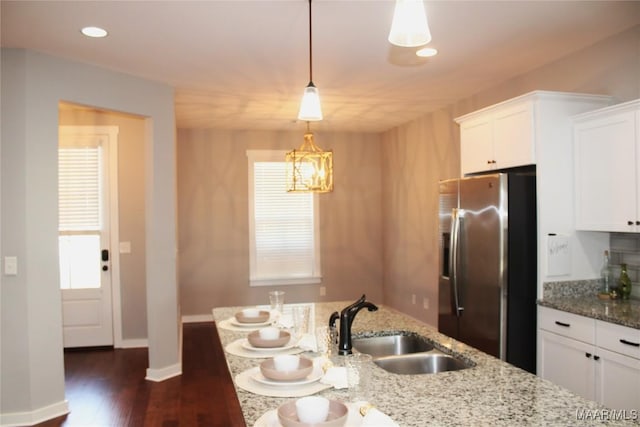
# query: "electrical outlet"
[[413, 299], [425, 303], [323, 291]]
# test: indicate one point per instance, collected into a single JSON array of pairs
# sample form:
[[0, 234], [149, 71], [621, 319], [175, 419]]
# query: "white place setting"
[[249, 320], [360, 414], [302, 377]]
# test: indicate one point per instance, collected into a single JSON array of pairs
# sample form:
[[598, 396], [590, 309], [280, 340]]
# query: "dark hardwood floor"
[[106, 387]]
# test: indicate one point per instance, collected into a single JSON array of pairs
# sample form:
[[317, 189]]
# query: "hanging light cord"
[[310, 48]]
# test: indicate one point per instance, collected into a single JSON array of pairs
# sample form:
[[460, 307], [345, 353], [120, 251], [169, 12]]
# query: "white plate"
[[270, 418], [314, 376], [234, 322], [247, 346]]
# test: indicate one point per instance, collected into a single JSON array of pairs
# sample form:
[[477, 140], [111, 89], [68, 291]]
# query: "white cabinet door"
[[568, 363], [606, 173], [618, 380], [476, 146], [513, 136]]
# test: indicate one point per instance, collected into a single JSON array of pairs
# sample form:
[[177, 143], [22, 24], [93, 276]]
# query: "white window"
[[283, 227]]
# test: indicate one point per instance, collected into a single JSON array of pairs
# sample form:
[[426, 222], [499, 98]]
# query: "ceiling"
[[244, 64]]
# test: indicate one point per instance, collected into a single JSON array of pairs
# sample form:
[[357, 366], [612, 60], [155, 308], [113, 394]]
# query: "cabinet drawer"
[[567, 324], [618, 338]]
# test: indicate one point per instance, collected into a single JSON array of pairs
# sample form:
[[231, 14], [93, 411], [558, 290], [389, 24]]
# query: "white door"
[[84, 244]]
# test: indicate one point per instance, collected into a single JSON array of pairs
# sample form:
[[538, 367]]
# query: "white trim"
[[286, 282], [165, 373], [37, 416], [196, 318], [133, 343]]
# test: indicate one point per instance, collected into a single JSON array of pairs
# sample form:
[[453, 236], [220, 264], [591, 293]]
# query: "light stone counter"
[[580, 297], [492, 393]]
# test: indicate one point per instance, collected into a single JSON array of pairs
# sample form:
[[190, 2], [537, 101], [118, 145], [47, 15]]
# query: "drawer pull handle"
[[635, 344], [566, 325]]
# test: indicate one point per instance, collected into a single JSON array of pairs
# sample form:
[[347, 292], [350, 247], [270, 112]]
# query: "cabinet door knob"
[[637, 222], [596, 357], [629, 222], [588, 355]]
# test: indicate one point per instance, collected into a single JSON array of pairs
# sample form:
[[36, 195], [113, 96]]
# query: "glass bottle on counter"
[[606, 276], [624, 282]]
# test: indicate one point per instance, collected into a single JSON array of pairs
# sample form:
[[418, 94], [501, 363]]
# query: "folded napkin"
[[285, 320], [336, 376], [376, 418], [307, 342]]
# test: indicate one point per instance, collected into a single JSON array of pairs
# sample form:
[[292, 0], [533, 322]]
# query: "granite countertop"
[[490, 393], [625, 313], [580, 297]]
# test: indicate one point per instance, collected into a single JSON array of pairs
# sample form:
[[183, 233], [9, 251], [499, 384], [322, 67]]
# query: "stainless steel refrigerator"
[[488, 268]]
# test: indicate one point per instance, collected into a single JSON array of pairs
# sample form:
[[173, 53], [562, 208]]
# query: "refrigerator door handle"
[[453, 267]]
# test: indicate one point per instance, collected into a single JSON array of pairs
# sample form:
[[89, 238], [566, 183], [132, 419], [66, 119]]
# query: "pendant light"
[[409, 27], [310, 109], [309, 168]]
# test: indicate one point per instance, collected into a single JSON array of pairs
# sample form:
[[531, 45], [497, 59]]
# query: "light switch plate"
[[125, 247], [11, 266]]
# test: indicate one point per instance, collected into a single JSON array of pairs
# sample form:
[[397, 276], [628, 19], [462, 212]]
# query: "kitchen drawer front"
[[567, 324], [618, 338]]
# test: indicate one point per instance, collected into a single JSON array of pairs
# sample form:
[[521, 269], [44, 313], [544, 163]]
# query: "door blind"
[[79, 188]]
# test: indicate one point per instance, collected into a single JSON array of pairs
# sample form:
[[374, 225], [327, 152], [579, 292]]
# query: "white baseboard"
[[34, 417], [134, 343], [165, 373], [196, 318]]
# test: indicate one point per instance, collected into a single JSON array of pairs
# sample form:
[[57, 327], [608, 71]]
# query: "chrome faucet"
[[346, 319]]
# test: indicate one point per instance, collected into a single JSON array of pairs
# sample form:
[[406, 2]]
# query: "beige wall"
[[418, 154], [213, 219], [131, 217], [387, 213]]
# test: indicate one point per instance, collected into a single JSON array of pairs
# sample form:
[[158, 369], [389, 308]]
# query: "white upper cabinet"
[[607, 169], [501, 137], [509, 134]]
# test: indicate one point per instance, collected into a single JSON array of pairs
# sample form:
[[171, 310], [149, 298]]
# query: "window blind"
[[79, 188], [284, 228]]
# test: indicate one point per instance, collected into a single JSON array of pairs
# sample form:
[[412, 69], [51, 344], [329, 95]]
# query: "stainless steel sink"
[[389, 345], [420, 363], [407, 353]]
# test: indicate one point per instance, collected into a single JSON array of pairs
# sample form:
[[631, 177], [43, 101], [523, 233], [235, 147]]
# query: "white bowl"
[[251, 312], [269, 333], [337, 417], [286, 362], [312, 409]]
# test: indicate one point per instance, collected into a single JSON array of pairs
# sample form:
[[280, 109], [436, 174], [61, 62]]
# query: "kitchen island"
[[490, 393]]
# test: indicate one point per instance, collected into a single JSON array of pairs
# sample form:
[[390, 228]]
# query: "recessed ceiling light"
[[426, 52], [94, 32]]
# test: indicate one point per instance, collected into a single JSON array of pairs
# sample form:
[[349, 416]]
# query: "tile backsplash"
[[625, 248]]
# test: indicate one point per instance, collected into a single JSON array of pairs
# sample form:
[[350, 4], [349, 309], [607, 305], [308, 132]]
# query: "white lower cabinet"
[[565, 362], [618, 379], [595, 359]]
